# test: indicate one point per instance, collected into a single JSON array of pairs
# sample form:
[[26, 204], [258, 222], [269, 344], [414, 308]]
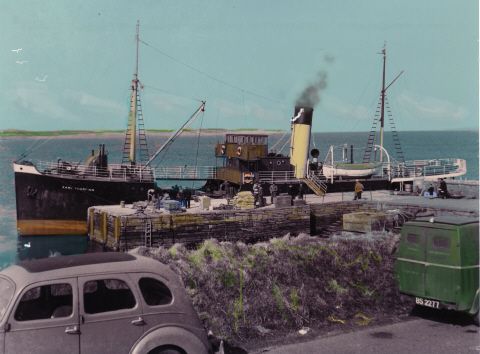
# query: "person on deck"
[[273, 192], [256, 190], [430, 192], [300, 191], [442, 189], [260, 195], [358, 190], [187, 194], [291, 193]]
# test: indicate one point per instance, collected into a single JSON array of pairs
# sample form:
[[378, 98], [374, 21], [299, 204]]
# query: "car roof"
[[27, 272], [51, 263], [449, 219]]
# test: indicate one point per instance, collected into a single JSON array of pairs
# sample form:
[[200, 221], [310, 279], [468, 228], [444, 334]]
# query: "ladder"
[[142, 136], [315, 184], [396, 138], [128, 136], [373, 134], [148, 233]]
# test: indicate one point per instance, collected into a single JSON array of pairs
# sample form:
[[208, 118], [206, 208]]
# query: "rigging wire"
[[244, 109], [172, 93], [313, 139], [283, 147], [279, 140], [33, 147], [211, 77], [198, 143], [171, 139]]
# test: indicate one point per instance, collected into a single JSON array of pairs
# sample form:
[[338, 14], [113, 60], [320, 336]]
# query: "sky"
[[250, 60]]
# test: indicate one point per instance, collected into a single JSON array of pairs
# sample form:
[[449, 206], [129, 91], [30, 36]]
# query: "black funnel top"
[[305, 118]]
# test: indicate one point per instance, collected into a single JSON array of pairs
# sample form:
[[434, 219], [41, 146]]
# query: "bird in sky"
[[41, 80], [21, 61], [17, 50]]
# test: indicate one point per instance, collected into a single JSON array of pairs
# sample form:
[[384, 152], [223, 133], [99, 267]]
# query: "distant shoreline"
[[110, 134], [13, 133]]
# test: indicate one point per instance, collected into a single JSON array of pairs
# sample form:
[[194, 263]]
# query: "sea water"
[[191, 151]]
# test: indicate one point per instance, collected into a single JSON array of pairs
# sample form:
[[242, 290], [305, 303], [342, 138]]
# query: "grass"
[[286, 283]]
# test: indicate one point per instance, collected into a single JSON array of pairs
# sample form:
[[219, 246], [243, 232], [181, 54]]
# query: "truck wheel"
[[167, 349]]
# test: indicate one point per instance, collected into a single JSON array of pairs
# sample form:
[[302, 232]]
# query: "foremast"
[[135, 133]]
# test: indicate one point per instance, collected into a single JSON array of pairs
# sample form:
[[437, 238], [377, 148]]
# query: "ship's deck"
[[395, 172]]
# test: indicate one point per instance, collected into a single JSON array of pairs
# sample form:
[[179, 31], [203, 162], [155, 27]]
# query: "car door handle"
[[138, 322], [72, 330]]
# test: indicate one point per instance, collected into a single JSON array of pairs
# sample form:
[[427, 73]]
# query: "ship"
[[52, 198], [247, 158]]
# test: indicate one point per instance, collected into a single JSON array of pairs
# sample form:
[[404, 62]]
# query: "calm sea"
[[190, 150]]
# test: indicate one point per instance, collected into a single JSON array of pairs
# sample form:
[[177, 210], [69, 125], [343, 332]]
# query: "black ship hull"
[[57, 205]]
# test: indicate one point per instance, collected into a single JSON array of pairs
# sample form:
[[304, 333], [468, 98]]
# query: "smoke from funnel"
[[311, 94]]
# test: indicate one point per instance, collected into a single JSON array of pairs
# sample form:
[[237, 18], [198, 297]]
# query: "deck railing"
[[185, 172], [394, 170], [428, 168], [114, 172]]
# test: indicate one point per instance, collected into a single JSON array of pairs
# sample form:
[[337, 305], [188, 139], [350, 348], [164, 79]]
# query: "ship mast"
[[130, 145], [384, 90], [382, 112], [133, 109]]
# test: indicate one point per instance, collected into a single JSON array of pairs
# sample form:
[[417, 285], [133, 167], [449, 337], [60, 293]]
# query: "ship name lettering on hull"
[[81, 189]]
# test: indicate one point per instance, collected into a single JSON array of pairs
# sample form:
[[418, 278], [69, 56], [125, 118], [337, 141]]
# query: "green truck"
[[437, 263]]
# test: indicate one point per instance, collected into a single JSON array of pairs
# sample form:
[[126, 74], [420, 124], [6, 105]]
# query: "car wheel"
[[476, 319], [167, 349]]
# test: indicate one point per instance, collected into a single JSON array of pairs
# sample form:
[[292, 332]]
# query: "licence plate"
[[427, 302]]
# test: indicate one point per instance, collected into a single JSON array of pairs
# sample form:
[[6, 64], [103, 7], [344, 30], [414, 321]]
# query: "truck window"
[[413, 238], [441, 243]]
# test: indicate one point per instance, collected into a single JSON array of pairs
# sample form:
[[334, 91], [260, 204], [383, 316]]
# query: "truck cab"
[[437, 263]]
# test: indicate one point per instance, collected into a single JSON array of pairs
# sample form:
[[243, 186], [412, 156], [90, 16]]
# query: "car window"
[[155, 292], [6, 294], [46, 301], [106, 295]]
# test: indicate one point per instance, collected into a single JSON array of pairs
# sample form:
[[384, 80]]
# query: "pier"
[[122, 228]]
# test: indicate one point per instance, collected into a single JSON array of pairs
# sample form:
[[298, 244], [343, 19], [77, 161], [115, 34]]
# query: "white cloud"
[[344, 109], [250, 110], [166, 102], [431, 108], [96, 103], [37, 99]]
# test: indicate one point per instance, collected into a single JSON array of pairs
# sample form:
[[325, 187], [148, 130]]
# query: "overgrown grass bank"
[[241, 290]]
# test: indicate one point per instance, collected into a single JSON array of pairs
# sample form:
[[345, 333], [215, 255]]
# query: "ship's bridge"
[[243, 146]]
